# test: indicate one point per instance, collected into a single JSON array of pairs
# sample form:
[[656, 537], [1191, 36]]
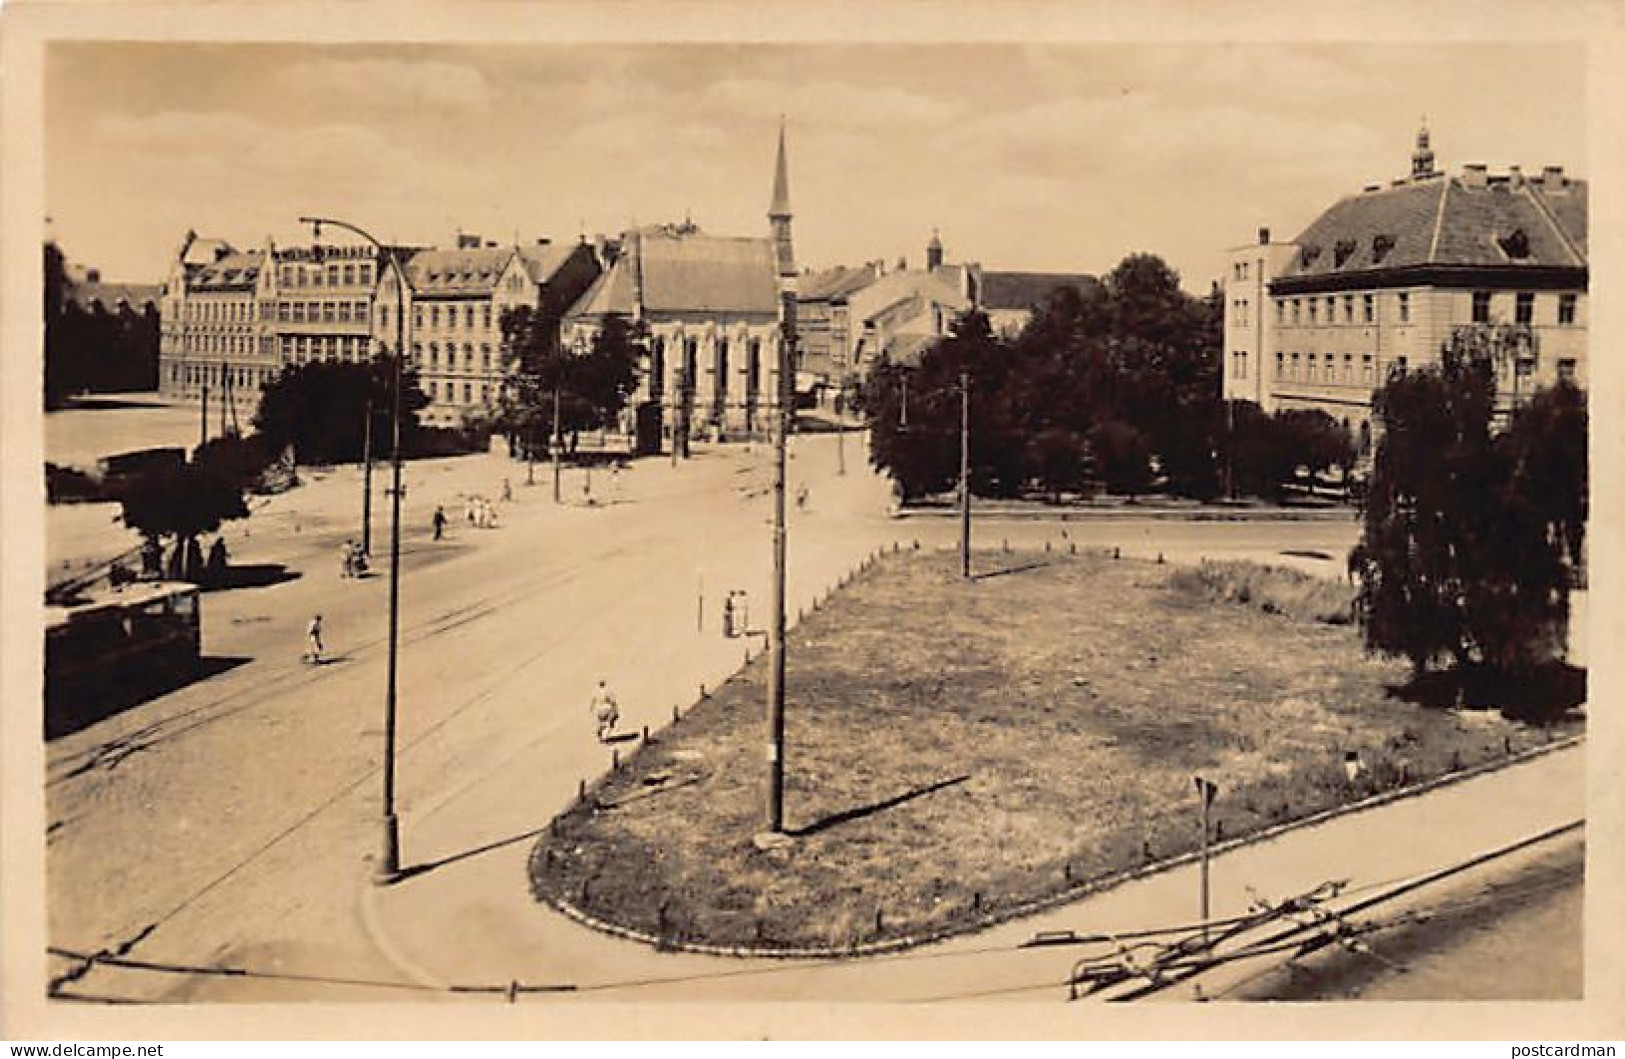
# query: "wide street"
[[231, 823]]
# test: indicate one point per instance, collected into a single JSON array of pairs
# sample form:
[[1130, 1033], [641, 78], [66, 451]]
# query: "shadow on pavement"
[[413, 870], [251, 575], [70, 709]]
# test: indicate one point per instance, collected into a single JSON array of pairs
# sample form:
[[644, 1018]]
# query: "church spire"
[[781, 182], [778, 215], [1422, 157]]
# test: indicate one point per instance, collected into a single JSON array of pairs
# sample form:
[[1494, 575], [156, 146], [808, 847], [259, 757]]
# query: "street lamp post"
[[388, 868], [557, 441], [964, 474], [366, 484]]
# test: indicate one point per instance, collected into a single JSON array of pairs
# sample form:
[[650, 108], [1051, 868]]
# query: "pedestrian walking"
[[468, 509], [439, 522], [347, 554], [314, 635], [605, 711], [801, 498], [507, 491]]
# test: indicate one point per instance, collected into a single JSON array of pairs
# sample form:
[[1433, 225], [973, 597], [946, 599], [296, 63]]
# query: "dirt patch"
[[959, 748]]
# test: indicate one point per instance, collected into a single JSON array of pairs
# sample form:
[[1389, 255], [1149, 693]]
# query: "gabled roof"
[[834, 283], [1444, 221], [542, 261], [200, 251], [686, 272], [471, 271], [944, 286], [1027, 290]]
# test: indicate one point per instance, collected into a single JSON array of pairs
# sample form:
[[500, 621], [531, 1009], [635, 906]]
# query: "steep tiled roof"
[[687, 272], [235, 270], [1442, 221], [1025, 290], [833, 283], [543, 260], [471, 271]]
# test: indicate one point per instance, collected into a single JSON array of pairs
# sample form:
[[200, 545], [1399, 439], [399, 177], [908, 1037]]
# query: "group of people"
[[480, 512], [354, 559]]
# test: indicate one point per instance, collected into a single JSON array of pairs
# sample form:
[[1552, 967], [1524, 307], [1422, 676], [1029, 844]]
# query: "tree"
[[591, 388], [320, 409], [922, 455], [182, 502], [1468, 536]]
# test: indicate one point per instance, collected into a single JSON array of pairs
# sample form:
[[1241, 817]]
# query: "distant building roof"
[[834, 283], [110, 296], [201, 251], [1473, 221], [469, 271], [1027, 290], [235, 271], [542, 261]]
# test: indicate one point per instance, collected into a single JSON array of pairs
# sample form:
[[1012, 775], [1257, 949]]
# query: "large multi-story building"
[[1382, 279], [458, 299], [231, 320]]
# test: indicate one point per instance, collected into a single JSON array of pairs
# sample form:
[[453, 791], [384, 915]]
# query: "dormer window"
[[1342, 252], [1515, 244], [1309, 254], [1380, 246]]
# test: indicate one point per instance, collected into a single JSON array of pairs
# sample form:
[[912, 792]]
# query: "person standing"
[[606, 711], [347, 554], [313, 634], [507, 491], [439, 522]]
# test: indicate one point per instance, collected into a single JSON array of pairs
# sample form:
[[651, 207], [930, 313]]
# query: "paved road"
[[231, 823]]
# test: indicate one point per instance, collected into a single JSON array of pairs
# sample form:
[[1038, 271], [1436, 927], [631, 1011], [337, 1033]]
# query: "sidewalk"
[[470, 920]]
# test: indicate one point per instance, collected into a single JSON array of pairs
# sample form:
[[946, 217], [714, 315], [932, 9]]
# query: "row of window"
[[333, 274], [1239, 311], [451, 354], [1523, 308], [217, 375], [450, 315], [448, 392], [211, 343], [1363, 308], [1324, 367], [301, 348], [326, 312], [219, 312]]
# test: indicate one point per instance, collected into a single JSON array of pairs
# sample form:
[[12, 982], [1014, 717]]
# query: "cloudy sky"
[[1062, 157]]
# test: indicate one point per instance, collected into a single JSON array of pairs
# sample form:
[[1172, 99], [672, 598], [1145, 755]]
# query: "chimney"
[[1263, 237], [543, 240], [468, 241], [1552, 176], [1515, 175], [93, 275], [1369, 188], [1475, 175]]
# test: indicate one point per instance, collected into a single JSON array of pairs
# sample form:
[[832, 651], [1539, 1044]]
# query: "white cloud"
[[389, 84]]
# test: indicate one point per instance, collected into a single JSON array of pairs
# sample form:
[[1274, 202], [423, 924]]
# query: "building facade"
[[1382, 279], [230, 320]]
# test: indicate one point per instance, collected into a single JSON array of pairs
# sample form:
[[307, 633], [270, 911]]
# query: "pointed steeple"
[[781, 181]]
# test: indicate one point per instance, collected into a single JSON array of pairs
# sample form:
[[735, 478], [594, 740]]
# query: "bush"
[[1272, 589]]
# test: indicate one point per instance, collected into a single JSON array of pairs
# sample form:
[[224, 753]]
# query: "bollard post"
[[581, 790], [674, 714], [1117, 553], [645, 733], [880, 920], [614, 757], [1046, 546], [702, 692]]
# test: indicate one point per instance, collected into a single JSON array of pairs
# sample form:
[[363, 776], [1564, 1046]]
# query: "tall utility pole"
[[964, 474], [388, 868], [366, 484], [778, 214], [558, 495]]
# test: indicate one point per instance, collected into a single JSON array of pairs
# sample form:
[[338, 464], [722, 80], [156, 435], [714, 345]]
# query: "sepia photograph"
[[1020, 522]]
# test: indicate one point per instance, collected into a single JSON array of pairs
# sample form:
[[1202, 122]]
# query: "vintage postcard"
[[872, 521]]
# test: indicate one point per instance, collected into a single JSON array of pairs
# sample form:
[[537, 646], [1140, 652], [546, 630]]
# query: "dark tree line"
[[94, 349], [320, 410], [1114, 386]]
